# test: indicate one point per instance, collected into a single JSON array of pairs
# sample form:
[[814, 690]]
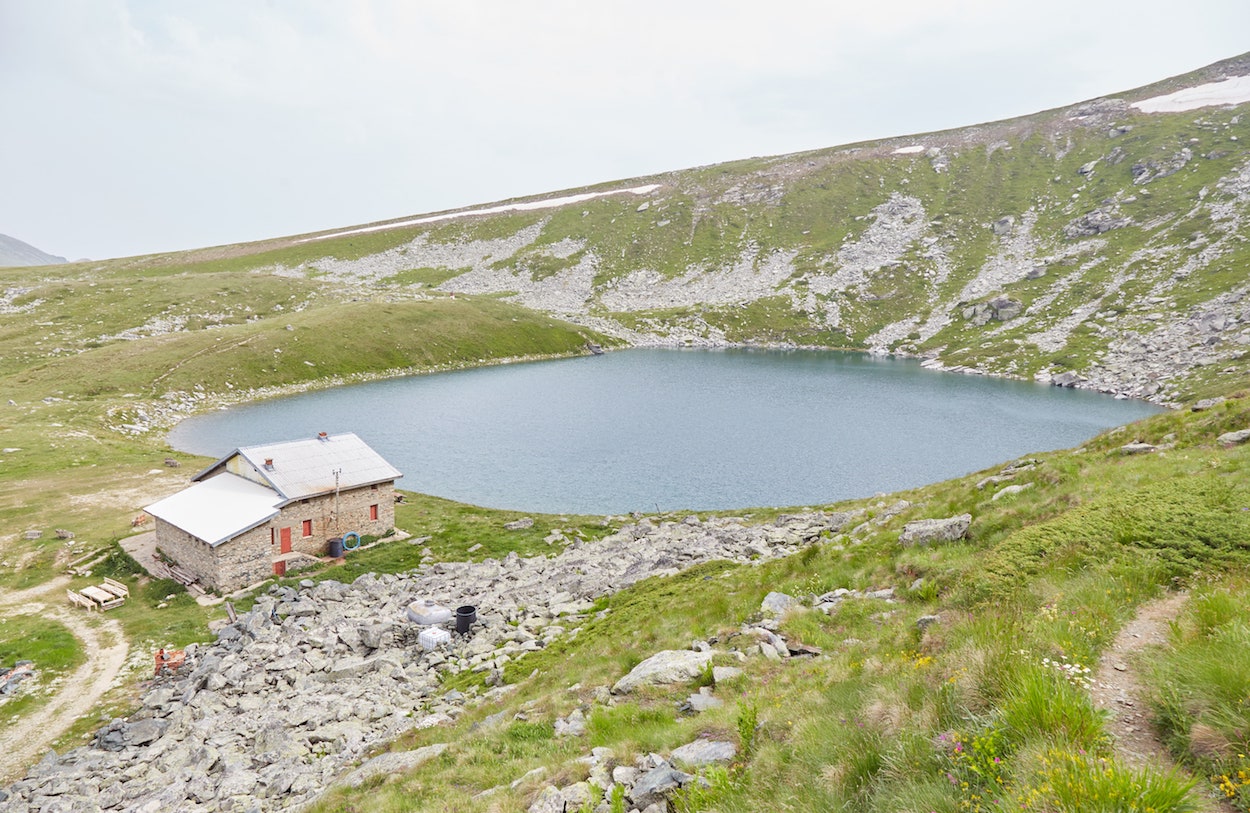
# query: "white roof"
[[306, 468], [219, 508]]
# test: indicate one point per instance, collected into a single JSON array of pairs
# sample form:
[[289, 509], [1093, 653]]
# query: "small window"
[[308, 527], [373, 511]]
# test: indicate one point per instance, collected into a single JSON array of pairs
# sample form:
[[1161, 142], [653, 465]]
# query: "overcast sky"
[[136, 126]]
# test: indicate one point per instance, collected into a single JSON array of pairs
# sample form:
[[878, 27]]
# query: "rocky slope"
[[350, 674], [1099, 245]]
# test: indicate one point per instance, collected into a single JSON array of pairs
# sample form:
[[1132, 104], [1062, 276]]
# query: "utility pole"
[[337, 472]]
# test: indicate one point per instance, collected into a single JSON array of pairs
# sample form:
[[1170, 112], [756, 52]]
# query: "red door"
[[279, 567], [284, 537]]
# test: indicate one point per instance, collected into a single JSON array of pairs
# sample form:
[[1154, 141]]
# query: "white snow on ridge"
[[1229, 91], [549, 203], [912, 150]]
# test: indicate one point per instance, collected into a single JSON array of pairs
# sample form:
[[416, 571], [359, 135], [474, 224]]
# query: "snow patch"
[[1229, 91], [912, 150], [549, 203]]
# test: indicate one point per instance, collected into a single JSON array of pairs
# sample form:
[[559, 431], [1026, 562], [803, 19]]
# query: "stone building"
[[259, 507]]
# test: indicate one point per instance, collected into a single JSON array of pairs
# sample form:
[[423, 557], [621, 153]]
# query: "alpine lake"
[[667, 430]]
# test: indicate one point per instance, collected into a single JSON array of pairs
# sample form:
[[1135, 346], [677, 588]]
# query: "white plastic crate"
[[433, 638]]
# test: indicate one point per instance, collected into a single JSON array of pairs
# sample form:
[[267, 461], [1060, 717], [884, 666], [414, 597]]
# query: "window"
[[373, 511], [307, 527]]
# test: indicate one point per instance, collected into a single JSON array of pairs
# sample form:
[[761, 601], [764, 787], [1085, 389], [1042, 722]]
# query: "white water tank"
[[428, 613]]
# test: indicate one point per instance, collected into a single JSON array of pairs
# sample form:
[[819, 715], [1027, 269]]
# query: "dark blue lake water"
[[652, 430]]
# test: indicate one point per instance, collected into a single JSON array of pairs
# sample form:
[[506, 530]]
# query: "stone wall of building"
[[245, 560], [188, 552], [249, 558], [354, 515]]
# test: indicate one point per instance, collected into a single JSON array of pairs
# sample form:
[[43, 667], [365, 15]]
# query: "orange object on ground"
[[171, 659]]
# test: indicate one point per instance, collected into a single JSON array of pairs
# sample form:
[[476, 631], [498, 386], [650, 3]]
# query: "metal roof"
[[219, 508], [307, 468]]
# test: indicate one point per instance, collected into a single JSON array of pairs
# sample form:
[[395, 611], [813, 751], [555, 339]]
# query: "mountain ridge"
[[16, 253]]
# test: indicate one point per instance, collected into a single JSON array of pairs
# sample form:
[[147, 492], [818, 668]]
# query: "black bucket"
[[466, 616], [335, 549]]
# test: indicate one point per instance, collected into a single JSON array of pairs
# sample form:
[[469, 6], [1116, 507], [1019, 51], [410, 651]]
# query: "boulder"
[[556, 800], [1205, 404], [1007, 491], [1231, 439], [395, 762], [1066, 379], [928, 531], [656, 784], [572, 726], [776, 604], [704, 752], [704, 701], [667, 667]]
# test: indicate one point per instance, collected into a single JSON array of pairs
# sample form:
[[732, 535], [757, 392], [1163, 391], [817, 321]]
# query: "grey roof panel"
[[306, 468]]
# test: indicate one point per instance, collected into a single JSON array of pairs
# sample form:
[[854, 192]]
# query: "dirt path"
[[1117, 689], [105, 646]]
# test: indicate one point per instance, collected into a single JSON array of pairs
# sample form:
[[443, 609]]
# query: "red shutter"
[[373, 511]]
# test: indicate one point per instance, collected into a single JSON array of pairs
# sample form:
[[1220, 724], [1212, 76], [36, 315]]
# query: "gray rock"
[[1205, 404], [625, 775], [667, 667], [703, 701], [1137, 447], [549, 800], [1010, 490], [1098, 221], [928, 531], [1006, 309], [1067, 379], [704, 752], [777, 604], [393, 763], [656, 784], [555, 800], [572, 726], [144, 732], [236, 781], [1231, 439], [519, 525], [723, 673]]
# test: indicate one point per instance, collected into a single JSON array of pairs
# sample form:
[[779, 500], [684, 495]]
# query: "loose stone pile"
[[299, 688]]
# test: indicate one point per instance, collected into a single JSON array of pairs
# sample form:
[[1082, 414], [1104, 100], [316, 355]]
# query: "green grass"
[[49, 644], [1201, 686]]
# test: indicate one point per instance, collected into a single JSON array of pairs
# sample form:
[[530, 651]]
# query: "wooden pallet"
[[187, 579]]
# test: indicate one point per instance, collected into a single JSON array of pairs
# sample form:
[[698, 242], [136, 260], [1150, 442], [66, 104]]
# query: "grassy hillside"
[[985, 707]]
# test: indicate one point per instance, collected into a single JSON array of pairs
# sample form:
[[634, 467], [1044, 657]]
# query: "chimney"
[[269, 464]]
